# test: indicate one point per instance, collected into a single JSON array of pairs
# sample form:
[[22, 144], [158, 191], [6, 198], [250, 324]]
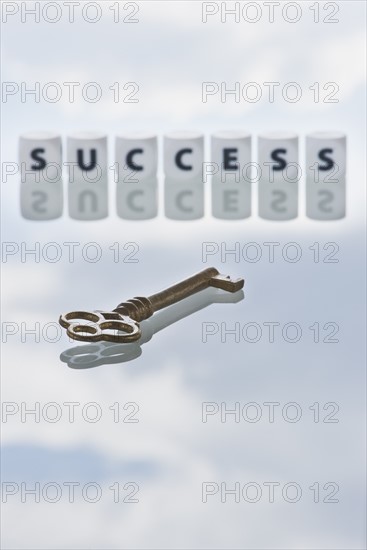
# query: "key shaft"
[[141, 308]]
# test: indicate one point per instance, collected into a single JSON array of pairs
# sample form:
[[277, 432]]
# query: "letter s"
[[41, 162]]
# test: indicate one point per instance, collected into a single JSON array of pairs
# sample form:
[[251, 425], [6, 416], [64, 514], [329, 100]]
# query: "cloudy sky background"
[[170, 452]]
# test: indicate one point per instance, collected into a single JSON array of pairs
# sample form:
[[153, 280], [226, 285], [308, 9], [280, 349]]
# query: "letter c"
[[129, 160], [178, 159]]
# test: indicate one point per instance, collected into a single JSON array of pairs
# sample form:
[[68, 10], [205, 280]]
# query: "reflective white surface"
[[170, 452]]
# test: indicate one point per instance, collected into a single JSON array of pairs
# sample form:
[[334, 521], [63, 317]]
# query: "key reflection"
[[101, 353]]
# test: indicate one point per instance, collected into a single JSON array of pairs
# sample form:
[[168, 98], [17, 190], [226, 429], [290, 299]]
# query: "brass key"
[[124, 319]]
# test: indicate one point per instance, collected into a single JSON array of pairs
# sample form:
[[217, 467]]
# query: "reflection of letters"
[[180, 201], [232, 200], [137, 201], [41, 201], [280, 199], [131, 203], [327, 197], [184, 200], [325, 201], [87, 201]]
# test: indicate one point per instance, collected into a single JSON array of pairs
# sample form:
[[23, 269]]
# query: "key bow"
[[98, 324]]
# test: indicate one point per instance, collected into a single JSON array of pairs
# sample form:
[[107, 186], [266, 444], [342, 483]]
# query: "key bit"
[[122, 324]]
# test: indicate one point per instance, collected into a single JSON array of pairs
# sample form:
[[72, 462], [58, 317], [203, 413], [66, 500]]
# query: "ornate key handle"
[[94, 326]]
